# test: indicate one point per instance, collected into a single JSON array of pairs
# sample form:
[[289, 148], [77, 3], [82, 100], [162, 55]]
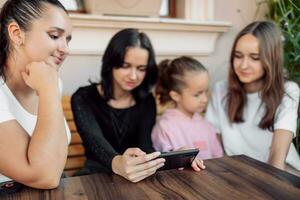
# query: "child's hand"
[[198, 164]]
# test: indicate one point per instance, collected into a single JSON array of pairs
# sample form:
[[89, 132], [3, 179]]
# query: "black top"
[[106, 131]]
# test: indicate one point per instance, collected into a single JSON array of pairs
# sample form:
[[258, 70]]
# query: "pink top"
[[175, 130]]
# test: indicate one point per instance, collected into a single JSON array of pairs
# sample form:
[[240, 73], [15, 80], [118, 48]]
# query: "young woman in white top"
[[255, 111], [34, 38]]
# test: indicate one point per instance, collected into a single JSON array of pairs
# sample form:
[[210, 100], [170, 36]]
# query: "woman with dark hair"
[[255, 111], [34, 38], [115, 117]]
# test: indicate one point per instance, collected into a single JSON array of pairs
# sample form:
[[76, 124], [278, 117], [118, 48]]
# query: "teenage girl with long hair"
[[255, 110]]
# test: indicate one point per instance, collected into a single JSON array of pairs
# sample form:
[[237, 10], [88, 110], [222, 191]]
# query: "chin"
[[246, 80], [128, 89]]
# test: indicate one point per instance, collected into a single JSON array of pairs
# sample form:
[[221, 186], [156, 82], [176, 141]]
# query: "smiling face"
[[133, 71], [48, 37], [247, 63]]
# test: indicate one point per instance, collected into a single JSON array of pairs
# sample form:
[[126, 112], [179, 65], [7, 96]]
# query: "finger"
[[195, 165], [144, 158], [134, 152], [134, 177], [201, 164], [148, 165]]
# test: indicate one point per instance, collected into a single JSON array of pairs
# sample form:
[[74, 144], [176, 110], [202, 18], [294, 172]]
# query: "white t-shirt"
[[11, 109], [247, 138]]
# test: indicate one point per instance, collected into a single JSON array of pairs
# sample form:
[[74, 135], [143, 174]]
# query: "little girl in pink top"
[[184, 81]]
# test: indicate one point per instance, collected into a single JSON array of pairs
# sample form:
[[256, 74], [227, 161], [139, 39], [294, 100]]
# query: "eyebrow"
[[137, 66], [69, 37], [250, 53]]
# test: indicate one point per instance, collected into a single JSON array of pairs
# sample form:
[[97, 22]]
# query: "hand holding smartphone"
[[178, 159]]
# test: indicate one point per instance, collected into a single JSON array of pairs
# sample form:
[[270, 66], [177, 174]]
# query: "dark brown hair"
[[171, 74], [271, 57]]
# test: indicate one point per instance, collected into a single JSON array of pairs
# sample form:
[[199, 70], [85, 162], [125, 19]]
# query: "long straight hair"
[[271, 57]]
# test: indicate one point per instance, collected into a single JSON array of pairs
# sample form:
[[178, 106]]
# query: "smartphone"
[[178, 159], [9, 187]]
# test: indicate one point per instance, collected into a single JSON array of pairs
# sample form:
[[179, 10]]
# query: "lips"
[[130, 84], [244, 73], [58, 60]]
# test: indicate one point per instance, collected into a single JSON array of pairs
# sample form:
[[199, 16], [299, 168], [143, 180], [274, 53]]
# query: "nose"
[[204, 98], [244, 63], [64, 47], [133, 74]]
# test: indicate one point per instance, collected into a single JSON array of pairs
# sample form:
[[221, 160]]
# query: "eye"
[[237, 56], [198, 94], [53, 36], [255, 57], [125, 65], [142, 68]]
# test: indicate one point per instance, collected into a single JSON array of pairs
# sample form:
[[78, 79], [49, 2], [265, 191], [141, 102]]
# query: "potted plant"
[[286, 13]]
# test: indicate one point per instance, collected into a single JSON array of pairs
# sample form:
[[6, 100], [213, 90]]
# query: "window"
[[168, 8]]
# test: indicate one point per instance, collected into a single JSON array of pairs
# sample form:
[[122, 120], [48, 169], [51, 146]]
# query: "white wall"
[[78, 68], [239, 13]]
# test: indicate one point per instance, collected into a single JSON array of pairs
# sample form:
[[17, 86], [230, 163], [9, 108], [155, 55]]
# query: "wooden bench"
[[76, 156]]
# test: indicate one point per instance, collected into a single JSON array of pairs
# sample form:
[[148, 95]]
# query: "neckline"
[[106, 103], [181, 114], [253, 95]]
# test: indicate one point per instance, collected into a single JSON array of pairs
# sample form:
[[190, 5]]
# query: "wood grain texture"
[[76, 152], [237, 177]]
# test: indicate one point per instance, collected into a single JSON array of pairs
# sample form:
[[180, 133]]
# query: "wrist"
[[115, 163], [51, 90]]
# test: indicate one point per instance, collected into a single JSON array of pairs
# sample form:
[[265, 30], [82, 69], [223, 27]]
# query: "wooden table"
[[236, 177]]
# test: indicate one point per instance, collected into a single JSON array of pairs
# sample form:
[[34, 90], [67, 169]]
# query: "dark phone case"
[[178, 159], [10, 187]]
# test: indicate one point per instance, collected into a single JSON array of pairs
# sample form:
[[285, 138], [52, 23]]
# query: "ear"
[[175, 96], [16, 34]]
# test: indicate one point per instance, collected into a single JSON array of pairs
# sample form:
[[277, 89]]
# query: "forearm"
[[277, 161], [281, 142], [47, 150], [102, 153]]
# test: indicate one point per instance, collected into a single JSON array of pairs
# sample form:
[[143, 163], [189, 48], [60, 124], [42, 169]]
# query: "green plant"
[[286, 13]]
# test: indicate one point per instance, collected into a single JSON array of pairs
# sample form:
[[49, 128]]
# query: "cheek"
[[141, 75], [119, 73], [42, 53], [191, 102], [236, 64], [259, 70]]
